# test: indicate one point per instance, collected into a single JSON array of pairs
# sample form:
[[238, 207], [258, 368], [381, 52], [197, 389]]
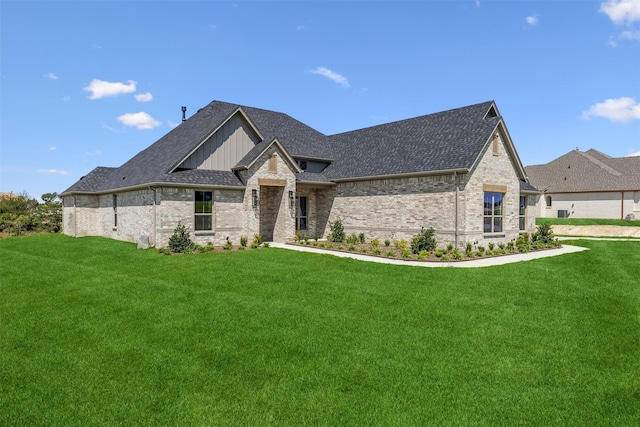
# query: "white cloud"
[[636, 154], [337, 78], [52, 171], [621, 11], [139, 120], [50, 76], [143, 97], [173, 124], [532, 20], [617, 110], [101, 89], [630, 35]]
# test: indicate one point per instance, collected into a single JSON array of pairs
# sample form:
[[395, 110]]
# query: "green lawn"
[[587, 221], [96, 332]]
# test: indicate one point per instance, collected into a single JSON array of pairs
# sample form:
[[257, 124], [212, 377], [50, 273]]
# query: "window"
[[493, 212], [523, 212], [303, 165], [301, 213], [548, 201], [203, 211], [115, 210], [496, 145]]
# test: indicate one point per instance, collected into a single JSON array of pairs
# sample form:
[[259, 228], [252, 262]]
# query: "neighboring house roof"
[[583, 172], [452, 140]]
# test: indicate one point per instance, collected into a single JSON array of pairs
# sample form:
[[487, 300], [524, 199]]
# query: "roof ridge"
[[599, 163]]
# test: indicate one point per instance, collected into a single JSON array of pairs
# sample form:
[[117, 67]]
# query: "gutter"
[[403, 175], [155, 184]]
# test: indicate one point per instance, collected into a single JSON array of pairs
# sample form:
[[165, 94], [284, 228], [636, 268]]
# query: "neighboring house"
[[233, 170], [588, 185]]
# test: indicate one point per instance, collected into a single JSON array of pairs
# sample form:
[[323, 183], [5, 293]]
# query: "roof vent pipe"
[[184, 110]]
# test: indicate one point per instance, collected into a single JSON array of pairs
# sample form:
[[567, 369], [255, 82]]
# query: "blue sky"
[[90, 83]]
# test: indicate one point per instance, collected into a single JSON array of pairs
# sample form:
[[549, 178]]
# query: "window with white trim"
[[493, 212], [203, 208]]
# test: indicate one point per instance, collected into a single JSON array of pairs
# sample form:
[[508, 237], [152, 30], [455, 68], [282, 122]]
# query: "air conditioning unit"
[[563, 213]]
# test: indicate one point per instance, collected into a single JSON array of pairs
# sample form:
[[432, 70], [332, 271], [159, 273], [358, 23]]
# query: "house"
[[231, 171], [588, 184]]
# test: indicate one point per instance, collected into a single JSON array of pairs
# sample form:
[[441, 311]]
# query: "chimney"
[[184, 110]]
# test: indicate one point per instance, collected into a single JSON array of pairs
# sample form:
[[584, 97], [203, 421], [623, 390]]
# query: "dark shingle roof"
[[442, 141], [449, 140], [589, 171]]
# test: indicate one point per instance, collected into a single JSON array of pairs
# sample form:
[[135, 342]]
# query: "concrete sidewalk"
[[482, 262]]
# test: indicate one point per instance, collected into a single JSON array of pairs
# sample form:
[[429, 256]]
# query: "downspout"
[[622, 206], [155, 196], [455, 231], [75, 218]]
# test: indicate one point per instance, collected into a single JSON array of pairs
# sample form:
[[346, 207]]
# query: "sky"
[[92, 83]]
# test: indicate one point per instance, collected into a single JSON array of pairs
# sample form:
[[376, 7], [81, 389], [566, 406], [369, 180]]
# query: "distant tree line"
[[20, 214]]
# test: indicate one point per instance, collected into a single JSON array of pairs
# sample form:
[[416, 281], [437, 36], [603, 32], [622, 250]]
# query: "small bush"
[[406, 253], [352, 247], [449, 247], [423, 254], [456, 254], [376, 251], [228, 245], [297, 237], [164, 251], [375, 243], [254, 245], [544, 234], [243, 241], [400, 244], [391, 254], [352, 239], [180, 241], [337, 231], [265, 245], [424, 241], [491, 246], [481, 250], [257, 239], [387, 243], [468, 248], [361, 238], [209, 247]]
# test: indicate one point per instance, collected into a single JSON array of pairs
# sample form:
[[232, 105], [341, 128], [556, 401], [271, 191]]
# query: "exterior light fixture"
[[254, 198]]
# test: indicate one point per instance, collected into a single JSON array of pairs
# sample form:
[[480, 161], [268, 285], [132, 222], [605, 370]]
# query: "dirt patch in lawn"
[[596, 230]]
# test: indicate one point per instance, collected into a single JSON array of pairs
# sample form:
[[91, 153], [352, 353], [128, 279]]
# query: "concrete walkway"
[[482, 262]]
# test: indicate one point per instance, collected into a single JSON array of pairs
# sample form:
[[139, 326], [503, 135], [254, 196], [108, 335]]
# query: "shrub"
[[352, 247], [352, 239], [387, 243], [456, 254], [254, 245], [337, 231], [424, 241], [361, 238], [297, 237], [391, 254], [305, 238], [449, 247], [257, 239], [481, 250], [209, 247], [468, 249], [544, 234], [501, 246], [228, 245], [423, 254], [491, 246], [265, 245], [180, 240], [400, 244], [376, 251], [375, 243], [164, 251], [243, 241], [406, 253], [363, 249]]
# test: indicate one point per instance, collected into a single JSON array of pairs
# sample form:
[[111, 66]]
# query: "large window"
[[301, 213], [203, 211], [493, 212], [523, 212]]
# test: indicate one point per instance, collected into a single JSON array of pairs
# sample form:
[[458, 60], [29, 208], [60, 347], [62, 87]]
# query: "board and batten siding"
[[224, 149]]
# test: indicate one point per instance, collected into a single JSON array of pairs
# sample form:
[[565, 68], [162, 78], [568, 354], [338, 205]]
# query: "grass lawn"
[[96, 332], [587, 221]]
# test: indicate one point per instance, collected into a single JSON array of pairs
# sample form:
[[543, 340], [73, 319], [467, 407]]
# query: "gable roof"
[[447, 141], [590, 171]]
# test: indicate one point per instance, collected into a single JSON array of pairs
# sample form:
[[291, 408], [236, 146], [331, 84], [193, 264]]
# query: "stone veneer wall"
[[274, 205], [493, 169]]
